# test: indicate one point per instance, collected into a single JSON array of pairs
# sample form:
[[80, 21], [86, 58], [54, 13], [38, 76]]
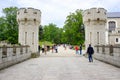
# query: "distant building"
[[113, 25]]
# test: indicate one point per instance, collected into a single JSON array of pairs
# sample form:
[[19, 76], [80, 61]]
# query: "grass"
[[45, 43]]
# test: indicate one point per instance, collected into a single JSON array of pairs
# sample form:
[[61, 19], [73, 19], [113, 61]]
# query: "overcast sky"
[[55, 11]]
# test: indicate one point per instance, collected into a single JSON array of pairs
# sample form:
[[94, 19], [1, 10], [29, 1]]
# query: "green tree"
[[52, 33], [9, 26], [73, 29], [40, 32], [2, 29]]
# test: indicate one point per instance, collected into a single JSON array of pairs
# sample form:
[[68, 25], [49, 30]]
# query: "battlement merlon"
[[94, 14], [29, 14]]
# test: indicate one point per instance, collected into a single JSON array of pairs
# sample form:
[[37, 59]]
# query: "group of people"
[[90, 51], [78, 49], [44, 49], [55, 48], [47, 48]]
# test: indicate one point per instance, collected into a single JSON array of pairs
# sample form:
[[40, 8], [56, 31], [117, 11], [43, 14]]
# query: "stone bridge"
[[64, 65]]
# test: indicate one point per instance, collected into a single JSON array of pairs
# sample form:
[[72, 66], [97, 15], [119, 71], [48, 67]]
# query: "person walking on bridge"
[[90, 52], [76, 49], [80, 49]]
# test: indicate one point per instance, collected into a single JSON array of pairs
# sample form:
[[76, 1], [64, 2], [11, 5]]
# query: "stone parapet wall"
[[10, 55], [109, 54]]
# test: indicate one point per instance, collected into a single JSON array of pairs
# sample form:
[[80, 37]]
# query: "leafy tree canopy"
[[9, 26], [52, 33], [73, 28]]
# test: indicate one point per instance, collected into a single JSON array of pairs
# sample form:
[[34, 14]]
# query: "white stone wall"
[[117, 20], [29, 21], [112, 38], [114, 34], [12, 58]]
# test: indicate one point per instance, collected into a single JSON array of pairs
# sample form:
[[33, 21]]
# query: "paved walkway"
[[65, 65]]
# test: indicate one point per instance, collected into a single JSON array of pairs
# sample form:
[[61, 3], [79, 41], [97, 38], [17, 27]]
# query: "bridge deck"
[[64, 65]]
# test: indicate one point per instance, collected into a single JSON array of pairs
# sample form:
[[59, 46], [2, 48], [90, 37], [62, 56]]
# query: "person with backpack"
[[90, 52]]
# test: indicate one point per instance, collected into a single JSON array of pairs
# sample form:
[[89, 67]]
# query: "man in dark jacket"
[[90, 52], [80, 49]]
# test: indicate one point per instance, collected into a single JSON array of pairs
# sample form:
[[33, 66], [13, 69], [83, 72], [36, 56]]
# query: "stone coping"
[[11, 46], [114, 46]]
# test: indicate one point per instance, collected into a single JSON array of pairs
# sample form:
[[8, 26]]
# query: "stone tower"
[[95, 20], [29, 20]]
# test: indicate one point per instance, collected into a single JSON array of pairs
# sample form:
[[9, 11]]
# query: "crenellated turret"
[[29, 21], [95, 20]]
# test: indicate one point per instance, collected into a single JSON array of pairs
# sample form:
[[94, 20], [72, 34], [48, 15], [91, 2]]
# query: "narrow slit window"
[[33, 38], [116, 39], [25, 38], [90, 37], [97, 37]]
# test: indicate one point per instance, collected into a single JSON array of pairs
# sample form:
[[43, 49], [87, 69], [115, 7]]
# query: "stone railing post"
[[14, 50], [111, 50], [4, 51], [103, 49], [21, 49]]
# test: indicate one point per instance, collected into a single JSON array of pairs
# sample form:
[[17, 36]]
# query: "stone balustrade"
[[108, 53], [10, 55]]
